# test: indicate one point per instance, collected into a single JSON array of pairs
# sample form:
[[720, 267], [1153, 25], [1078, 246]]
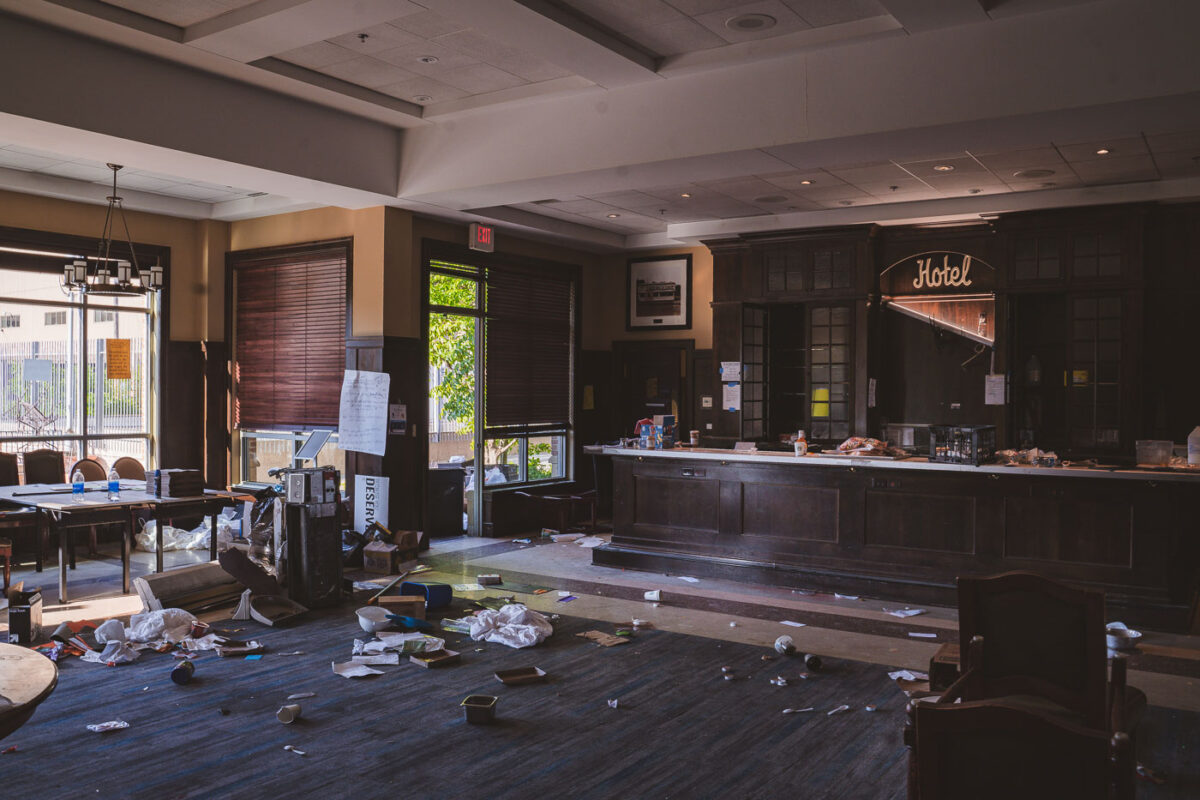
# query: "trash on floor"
[[920, 635], [908, 675], [603, 639], [785, 646], [592, 541], [521, 676], [378, 660], [513, 625], [435, 658], [567, 598], [301, 695], [812, 662], [236, 648], [839, 710], [182, 673], [114, 653], [111, 725], [274, 609], [797, 710], [468, 587], [479, 709], [654, 595], [688, 578], [869, 707], [351, 670], [613, 703], [904, 612], [293, 749], [492, 579], [793, 623], [566, 537], [289, 713], [845, 596], [1149, 775]]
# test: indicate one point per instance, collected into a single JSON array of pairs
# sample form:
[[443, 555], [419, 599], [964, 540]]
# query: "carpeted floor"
[[680, 730]]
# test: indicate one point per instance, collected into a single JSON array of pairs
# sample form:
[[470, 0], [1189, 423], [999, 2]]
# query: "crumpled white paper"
[[513, 625], [352, 670], [169, 624], [407, 643], [111, 631], [115, 652]]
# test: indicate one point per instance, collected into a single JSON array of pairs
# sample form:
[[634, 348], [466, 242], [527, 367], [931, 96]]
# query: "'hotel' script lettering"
[[945, 275]]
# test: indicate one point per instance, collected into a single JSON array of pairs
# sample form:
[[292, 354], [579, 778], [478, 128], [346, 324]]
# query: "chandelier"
[[109, 275]]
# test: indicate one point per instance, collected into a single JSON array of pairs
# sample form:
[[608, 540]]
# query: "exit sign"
[[483, 237]]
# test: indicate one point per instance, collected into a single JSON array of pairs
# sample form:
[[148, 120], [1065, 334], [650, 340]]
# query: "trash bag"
[[513, 625], [170, 624], [260, 530], [174, 538], [111, 631]]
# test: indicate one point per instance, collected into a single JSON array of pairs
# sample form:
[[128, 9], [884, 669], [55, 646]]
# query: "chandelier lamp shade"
[[106, 274]]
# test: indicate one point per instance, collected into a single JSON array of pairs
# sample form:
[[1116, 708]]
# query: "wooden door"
[[653, 378]]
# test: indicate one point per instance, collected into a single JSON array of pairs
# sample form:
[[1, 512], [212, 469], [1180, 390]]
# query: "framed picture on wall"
[[658, 293]]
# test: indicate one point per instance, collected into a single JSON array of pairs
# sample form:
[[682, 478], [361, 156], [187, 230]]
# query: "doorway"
[[653, 378]]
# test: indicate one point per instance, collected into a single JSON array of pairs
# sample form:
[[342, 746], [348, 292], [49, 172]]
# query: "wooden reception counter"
[[907, 528]]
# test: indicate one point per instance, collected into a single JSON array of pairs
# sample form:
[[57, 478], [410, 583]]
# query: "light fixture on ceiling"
[[423, 98], [750, 23], [846, 202], [1103, 151], [807, 182], [613, 216], [112, 276], [943, 168], [685, 195], [428, 59], [1033, 173], [974, 191]]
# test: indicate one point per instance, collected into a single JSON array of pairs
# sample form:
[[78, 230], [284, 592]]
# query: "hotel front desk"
[[907, 528]]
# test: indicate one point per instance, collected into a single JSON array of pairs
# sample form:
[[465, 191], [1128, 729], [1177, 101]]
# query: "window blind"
[[528, 353], [289, 337]]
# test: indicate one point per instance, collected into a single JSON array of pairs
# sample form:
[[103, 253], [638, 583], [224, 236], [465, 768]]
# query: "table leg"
[[212, 537], [125, 547], [70, 544], [158, 560], [62, 561], [40, 539]]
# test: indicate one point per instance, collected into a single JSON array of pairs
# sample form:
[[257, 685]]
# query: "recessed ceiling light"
[[943, 168], [613, 216], [428, 59], [422, 98], [973, 191], [1103, 151], [750, 22], [771, 198], [807, 182], [1033, 173], [685, 195]]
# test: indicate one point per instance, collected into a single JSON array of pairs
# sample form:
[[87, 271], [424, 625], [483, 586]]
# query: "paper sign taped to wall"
[[363, 414], [36, 369], [116, 359], [731, 397]]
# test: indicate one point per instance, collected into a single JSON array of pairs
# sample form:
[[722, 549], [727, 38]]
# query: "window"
[[289, 336], [10, 321], [829, 372], [56, 318], [263, 451], [104, 316]]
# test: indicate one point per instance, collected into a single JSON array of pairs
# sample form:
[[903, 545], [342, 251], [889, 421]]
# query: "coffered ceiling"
[[614, 124]]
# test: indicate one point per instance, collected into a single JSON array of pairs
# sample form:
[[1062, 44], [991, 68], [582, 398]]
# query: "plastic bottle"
[[1194, 447], [785, 646], [114, 485], [801, 444], [77, 487]]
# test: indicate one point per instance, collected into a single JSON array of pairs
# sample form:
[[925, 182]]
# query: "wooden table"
[[26, 679], [59, 513]]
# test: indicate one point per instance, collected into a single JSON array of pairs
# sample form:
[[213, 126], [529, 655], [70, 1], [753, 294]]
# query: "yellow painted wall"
[[192, 244]]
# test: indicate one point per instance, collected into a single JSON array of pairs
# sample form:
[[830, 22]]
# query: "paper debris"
[[564, 594], [869, 707], [293, 653], [908, 675], [653, 595], [111, 725], [301, 695], [566, 537], [796, 710], [904, 612], [733, 624], [567, 599], [419, 568], [467, 587], [839, 710], [613, 703], [793, 623], [845, 596], [352, 670], [726, 669], [779, 680], [640, 623], [293, 749], [522, 541], [919, 635], [688, 579], [591, 541], [8, 750], [730, 677], [378, 660], [603, 639]]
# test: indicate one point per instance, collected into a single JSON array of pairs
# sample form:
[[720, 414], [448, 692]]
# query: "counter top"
[[916, 462]]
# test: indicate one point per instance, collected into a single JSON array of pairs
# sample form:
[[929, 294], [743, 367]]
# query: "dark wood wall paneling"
[[182, 431], [404, 462]]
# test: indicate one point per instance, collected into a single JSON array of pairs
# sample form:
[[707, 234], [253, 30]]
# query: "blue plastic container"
[[437, 595]]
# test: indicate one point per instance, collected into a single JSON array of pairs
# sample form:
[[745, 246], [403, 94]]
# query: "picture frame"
[[658, 293]]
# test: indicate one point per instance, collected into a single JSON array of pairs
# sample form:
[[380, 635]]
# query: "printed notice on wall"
[[363, 418], [731, 397], [993, 390], [731, 370], [36, 369], [370, 501], [116, 358]]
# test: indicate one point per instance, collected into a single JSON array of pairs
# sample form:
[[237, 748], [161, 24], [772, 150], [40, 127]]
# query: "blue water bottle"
[[114, 486], [77, 487]]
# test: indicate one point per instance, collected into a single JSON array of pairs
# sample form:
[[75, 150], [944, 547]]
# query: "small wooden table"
[[26, 679]]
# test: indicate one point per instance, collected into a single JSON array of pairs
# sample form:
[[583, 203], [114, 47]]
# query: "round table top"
[[26, 679]]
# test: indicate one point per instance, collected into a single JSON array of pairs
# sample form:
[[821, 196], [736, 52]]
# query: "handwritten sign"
[[116, 359], [363, 416]]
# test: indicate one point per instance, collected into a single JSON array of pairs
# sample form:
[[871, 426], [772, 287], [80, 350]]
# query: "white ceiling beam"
[[918, 16], [555, 35], [269, 27]]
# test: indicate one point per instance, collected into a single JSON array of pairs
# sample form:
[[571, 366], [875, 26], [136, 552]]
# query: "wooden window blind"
[[528, 353], [289, 336]]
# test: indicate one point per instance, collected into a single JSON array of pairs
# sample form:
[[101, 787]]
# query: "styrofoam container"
[[373, 618], [1120, 637]]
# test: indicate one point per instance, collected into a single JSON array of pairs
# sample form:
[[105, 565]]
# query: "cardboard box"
[[406, 605], [380, 557], [25, 618], [406, 540]]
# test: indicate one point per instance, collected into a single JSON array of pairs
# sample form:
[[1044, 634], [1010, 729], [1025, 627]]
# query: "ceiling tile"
[[962, 166], [1177, 164], [742, 188], [886, 173], [1062, 180], [794, 180], [819, 13], [422, 86], [1086, 151], [577, 206], [530, 67], [316, 55], [1116, 169], [1004, 164], [367, 71], [695, 7], [427, 24], [631, 200], [819, 193], [480, 78], [180, 12], [11, 159], [145, 182], [786, 21], [379, 38], [896, 187], [1175, 142], [623, 15], [674, 38], [409, 57]]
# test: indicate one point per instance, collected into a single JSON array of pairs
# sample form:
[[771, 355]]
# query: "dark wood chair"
[[990, 750], [45, 466], [93, 471], [560, 508], [130, 468], [17, 519], [1024, 635]]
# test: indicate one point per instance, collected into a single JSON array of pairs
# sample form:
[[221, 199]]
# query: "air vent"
[[771, 198], [257, 194], [750, 23], [1033, 173]]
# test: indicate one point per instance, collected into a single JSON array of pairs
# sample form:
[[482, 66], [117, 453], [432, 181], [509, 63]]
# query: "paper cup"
[[288, 714]]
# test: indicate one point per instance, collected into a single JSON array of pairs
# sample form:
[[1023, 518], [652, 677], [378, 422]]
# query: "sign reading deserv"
[[937, 272]]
